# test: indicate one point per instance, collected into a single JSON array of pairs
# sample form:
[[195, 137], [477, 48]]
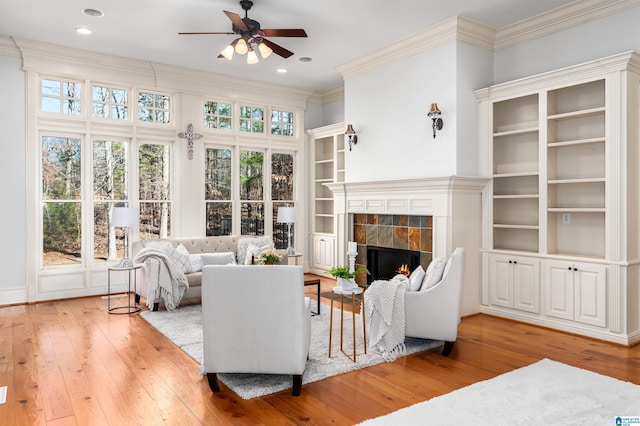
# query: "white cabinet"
[[576, 292], [515, 282], [323, 252], [326, 147], [562, 152]]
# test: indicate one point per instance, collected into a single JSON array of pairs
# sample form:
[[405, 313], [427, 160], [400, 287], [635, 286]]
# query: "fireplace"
[[383, 262]]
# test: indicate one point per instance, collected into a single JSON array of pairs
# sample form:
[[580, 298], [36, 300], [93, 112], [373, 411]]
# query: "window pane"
[[51, 87], [61, 233], [100, 93], [99, 110], [145, 99], [50, 104], [155, 220], [218, 174], [154, 169], [252, 218], [219, 218], [119, 112], [108, 241], [119, 96], [61, 168], [109, 170], [251, 177], [282, 177], [225, 123], [71, 90]]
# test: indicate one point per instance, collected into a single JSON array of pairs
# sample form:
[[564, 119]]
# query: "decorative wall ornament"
[[190, 135]]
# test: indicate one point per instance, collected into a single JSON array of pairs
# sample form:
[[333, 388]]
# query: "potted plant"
[[269, 257], [344, 277]]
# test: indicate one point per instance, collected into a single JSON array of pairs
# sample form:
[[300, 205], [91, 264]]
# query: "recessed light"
[[92, 12], [305, 59], [83, 30], [282, 70]]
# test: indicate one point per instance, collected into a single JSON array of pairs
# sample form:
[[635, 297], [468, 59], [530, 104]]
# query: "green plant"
[[342, 271]]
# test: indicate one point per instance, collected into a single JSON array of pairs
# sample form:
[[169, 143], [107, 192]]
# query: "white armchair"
[[256, 319], [435, 313]]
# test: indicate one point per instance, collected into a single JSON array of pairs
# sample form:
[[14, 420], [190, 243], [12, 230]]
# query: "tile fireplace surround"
[[454, 204]]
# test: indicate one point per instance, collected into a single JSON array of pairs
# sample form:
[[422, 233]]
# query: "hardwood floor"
[[70, 363]]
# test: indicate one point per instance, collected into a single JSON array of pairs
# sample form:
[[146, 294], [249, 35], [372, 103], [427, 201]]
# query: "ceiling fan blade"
[[236, 19], [289, 32], [277, 49], [205, 33]]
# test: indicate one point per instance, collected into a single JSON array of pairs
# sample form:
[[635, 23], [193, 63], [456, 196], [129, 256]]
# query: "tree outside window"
[[282, 195], [218, 181], [155, 197], [251, 193]]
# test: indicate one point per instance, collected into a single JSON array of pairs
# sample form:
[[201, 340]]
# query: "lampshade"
[[241, 47], [124, 217], [265, 50], [252, 58], [286, 214], [228, 51]]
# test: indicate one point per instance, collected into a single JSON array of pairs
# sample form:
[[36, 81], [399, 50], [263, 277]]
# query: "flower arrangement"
[[342, 271], [269, 257]]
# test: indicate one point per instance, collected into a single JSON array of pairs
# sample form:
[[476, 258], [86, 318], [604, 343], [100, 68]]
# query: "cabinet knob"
[[569, 267], [575, 269], [515, 261], [511, 261]]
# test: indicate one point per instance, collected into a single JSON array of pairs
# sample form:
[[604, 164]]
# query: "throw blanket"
[[384, 306], [165, 279]]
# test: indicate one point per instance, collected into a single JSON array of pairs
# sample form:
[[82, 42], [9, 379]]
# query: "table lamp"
[[125, 217], [287, 215]]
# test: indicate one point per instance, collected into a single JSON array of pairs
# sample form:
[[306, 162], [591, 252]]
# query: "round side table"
[[129, 308], [353, 293]]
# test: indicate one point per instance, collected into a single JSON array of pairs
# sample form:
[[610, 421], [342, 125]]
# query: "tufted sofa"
[[197, 245]]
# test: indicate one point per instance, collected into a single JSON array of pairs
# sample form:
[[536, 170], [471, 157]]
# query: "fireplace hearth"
[[383, 263]]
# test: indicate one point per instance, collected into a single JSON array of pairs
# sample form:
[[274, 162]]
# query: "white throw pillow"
[[180, 256], [434, 273], [416, 278], [221, 258], [254, 251], [244, 242], [196, 262]]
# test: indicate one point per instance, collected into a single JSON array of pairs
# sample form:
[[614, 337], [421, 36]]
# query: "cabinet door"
[[501, 281], [590, 286], [559, 298], [526, 284], [323, 252]]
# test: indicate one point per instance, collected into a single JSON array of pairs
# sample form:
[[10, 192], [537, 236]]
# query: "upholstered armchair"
[[256, 319], [435, 313]]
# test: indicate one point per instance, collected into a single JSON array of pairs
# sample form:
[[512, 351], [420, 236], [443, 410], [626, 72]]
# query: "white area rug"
[[184, 328], [544, 393]]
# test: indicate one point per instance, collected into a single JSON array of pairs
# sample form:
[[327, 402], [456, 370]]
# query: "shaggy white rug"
[[184, 328], [544, 393]]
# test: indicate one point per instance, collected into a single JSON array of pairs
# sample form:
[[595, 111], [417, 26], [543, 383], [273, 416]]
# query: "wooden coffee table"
[[308, 280]]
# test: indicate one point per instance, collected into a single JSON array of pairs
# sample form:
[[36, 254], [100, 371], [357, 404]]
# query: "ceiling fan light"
[[252, 58], [241, 47], [227, 52], [265, 51]]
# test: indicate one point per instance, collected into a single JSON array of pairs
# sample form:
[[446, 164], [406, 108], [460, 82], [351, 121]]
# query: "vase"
[[347, 284]]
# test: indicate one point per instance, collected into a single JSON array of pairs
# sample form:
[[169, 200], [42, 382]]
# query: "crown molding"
[[8, 47], [559, 19], [455, 28]]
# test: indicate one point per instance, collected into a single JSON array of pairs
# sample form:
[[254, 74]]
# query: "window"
[[217, 115], [63, 97], [110, 102], [61, 201], [251, 193], [110, 180], [251, 119], [281, 123], [282, 195], [218, 181], [154, 183], [154, 107]]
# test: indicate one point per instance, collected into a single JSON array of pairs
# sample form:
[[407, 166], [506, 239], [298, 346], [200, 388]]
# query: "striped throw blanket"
[[384, 306]]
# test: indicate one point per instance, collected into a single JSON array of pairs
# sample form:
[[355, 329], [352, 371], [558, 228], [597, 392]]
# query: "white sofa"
[[256, 319], [195, 245]]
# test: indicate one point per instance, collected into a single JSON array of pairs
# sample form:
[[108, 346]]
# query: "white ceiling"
[[339, 30]]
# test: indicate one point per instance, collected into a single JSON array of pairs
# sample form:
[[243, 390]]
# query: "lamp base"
[[125, 263], [291, 251]]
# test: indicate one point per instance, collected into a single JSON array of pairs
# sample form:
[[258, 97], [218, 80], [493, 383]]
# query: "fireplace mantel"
[[453, 201]]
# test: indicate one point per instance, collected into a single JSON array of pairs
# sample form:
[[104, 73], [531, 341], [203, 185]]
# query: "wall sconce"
[[353, 138], [434, 114]]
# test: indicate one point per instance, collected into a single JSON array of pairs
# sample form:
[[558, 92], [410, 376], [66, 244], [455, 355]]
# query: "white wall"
[[13, 251], [597, 39]]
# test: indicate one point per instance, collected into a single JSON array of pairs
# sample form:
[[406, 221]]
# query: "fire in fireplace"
[[384, 263]]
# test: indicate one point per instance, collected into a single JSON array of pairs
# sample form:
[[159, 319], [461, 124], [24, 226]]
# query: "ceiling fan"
[[253, 37]]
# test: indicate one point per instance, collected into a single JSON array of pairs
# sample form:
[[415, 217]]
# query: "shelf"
[[577, 114], [516, 132], [576, 209], [324, 161], [572, 181], [516, 197], [508, 226], [324, 199], [323, 215], [324, 180], [510, 175], [577, 142]]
